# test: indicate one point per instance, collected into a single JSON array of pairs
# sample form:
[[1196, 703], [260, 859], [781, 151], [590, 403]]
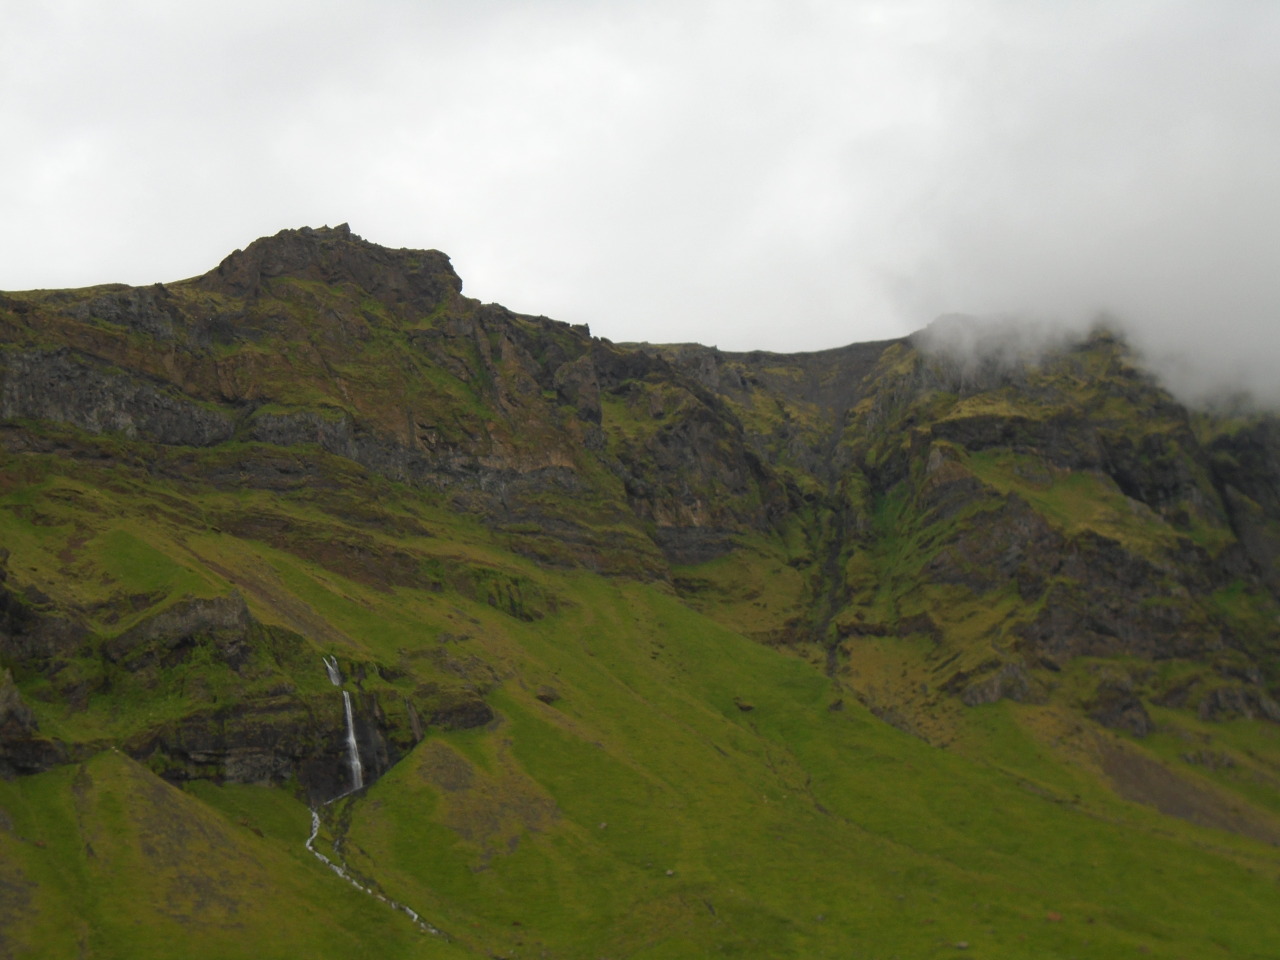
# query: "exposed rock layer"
[[916, 493]]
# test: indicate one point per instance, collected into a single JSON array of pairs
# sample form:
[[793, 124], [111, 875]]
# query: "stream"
[[357, 782]]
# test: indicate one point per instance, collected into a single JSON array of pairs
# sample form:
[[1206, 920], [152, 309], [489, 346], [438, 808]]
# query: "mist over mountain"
[[839, 516], [344, 614], [766, 177], [1233, 368]]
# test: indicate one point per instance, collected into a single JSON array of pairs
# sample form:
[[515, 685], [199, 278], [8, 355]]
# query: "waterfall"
[[357, 781], [342, 871], [353, 748]]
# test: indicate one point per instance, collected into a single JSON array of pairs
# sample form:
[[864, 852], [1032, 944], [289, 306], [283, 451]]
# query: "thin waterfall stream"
[[353, 748], [357, 783], [341, 871]]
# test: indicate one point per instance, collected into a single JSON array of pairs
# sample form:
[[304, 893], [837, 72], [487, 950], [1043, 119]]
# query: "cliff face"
[[322, 447], [1075, 497]]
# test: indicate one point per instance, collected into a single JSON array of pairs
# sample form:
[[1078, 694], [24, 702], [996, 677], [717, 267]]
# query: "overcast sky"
[[776, 174]]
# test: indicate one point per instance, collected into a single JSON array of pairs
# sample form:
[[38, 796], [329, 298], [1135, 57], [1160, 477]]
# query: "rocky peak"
[[418, 279]]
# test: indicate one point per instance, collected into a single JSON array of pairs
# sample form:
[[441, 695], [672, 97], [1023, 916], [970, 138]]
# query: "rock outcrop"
[[416, 281], [1028, 511], [22, 749]]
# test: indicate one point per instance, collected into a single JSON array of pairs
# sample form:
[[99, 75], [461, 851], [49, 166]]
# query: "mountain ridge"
[[520, 543]]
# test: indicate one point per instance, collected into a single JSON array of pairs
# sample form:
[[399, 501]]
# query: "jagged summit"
[[335, 255]]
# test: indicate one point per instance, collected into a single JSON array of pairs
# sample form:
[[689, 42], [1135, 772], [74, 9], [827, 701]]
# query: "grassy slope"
[[790, 829], [643, 812], [102, 859]]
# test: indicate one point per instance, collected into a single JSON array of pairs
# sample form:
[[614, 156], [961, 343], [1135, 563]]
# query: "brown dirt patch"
[[1137, 777]]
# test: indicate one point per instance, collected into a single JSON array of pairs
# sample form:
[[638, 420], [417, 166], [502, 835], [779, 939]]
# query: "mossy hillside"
[[491, 519], [451, 380], [682, 458], [660, 689], [760, 590], [94, 548], [1094, 401], [335, 592], [778, 777], [305, 506], [977, 629], [109, 861], [467, 797]]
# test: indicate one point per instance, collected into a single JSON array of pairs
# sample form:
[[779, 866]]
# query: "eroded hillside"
[[643, 650]]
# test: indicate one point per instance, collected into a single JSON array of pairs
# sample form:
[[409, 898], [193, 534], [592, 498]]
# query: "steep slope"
[[615, 631], [1062, 514]]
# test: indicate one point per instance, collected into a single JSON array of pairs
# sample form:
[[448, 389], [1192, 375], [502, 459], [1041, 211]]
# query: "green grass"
[[657, 783], [774, 817], [114, 863]]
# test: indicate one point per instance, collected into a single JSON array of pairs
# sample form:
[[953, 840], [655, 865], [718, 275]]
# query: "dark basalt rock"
[[32, 634], [1011, 681], [1104, 600], [224, 621], [463, 713], [1158, 470], [151, 311], [22, 749], [1238, 700], [1116, 706], [415, 279], [576, 383], [692, 545], [67, 387], [1010, 542], [1062, 439], [1246, 468], [287, 740], [833, 380], [1248, 461]]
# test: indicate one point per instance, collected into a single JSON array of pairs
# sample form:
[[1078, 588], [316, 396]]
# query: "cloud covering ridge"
[[763, 175]]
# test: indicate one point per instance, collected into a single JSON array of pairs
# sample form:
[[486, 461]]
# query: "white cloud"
[[782, 175]]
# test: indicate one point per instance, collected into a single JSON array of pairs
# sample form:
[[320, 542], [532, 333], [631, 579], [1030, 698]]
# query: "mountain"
[[342, 615]]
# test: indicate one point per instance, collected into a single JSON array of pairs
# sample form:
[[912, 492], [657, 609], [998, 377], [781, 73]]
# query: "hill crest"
[[522, 550]]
